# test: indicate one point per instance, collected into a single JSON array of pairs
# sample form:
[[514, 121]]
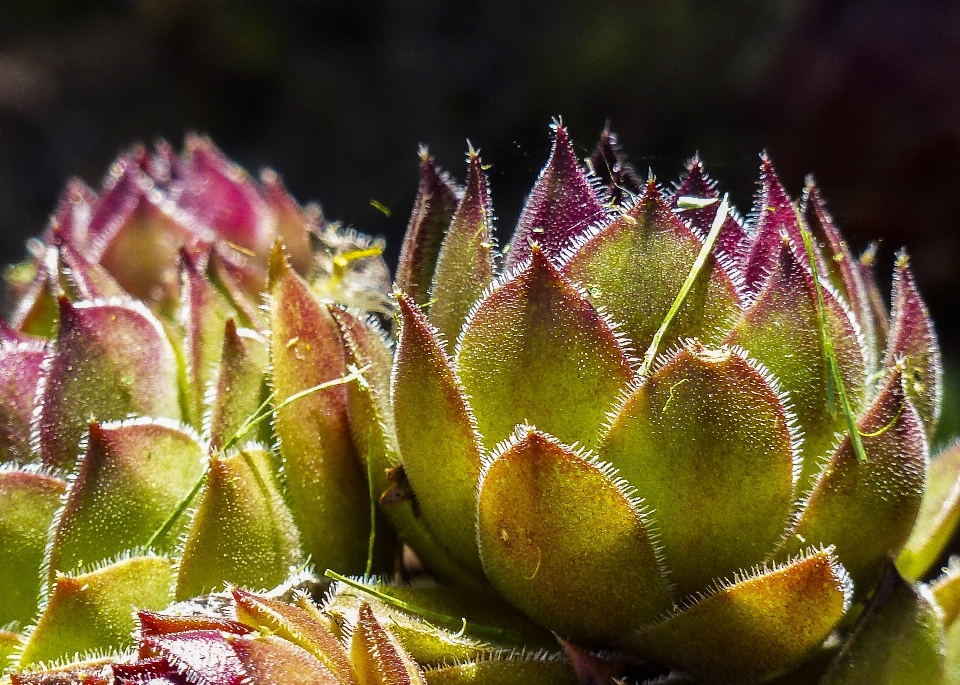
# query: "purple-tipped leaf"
[[130, 479], [867, 508], [465, 265], [432, 212], [634, 267], [324, 478], [774, 215], [536, 350], [781, 329], [21, 365], [562, 205], [609, 166], [112, 360], [912, 341], [700, 216], [203, 657], [379, 657]]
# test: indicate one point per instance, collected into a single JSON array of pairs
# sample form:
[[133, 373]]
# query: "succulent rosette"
[[659, 428], [650, 441], [148, 454]]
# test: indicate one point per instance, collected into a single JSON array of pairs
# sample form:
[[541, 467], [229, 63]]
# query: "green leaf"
[[781, 330], [131, 477], [564, 541], [511, 670], [535, 350], [203, 314], [112, 360], [896, 642], [378, 656], [29, 502], [867, 508], [938, 517], [239, 389], [711, 449], [325, 480], [243, 532], [756, 627], [93, 611], [635, 266], [436, 436], [946, 590], [465, 265]]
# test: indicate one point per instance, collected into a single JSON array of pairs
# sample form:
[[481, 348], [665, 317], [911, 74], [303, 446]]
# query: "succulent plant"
[[138, 462], [692, 446]]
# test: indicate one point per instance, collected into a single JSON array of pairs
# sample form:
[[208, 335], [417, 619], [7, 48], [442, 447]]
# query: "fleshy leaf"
[[608, 165], [774, 216], [465, 265], [268, 660], [781, 329], [650, 251], [29, 502], [505, 671], [36, 311], [155, 671], [379, 658], [946, 590], [10, 644], [20, 371], [223, 197], [238, 391], [535, 350], [755, 628], [203, 313], [85, 280], [938, 517], [562, 205], [90, 672], [112, 360], [226, 278], [131, 478], [296, 625], [294, 225], [438, 624], [432, 212], [71, 220], [204, 657], [152, 623], [92, 611], [710, 448], [912, 339], [875, 303], [867, 508], [135, 235], [436, 436], [696, 184], [325, 480], [896, 642], [563, 540], [839, 264], [242, 533]]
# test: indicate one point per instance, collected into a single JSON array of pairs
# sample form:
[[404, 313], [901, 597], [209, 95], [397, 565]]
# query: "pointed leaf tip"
[[562, 205], [433, 210]]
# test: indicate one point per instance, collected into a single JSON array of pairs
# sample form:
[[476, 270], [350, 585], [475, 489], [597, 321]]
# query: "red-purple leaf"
[[432, 212], [912, 341], [562, 205]]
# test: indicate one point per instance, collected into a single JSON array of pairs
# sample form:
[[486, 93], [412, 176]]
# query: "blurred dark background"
[[336, 96]]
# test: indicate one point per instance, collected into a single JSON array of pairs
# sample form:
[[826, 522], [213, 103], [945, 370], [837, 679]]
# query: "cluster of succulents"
[[647, 441]]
